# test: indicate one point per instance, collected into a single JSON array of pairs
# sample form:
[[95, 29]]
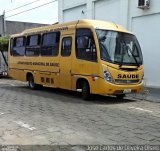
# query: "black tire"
[[120, 96], [86, 91], [31, 83]]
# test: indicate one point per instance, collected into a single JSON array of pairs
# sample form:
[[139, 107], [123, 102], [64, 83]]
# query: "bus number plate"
[[127, 91]]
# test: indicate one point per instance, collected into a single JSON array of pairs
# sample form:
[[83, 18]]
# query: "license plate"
[[127, 91]]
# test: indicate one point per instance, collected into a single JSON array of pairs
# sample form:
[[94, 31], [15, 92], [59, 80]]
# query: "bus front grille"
[[127, 81]]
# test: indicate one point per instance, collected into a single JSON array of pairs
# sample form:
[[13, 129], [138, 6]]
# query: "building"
[[12, 27], [142, 17]]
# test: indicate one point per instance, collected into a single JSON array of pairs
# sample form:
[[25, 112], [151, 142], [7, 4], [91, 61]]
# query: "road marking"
[[137, 108], [1, 113], [13, 85], [2, 83], [25, 125]]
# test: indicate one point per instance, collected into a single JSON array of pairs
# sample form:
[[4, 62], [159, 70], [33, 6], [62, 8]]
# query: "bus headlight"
[[107, 76]]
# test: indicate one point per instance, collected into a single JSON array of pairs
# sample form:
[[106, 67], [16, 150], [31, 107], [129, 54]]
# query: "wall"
[[13, 27], [71, 10], [145, 24], [111, 10], [74, 13]]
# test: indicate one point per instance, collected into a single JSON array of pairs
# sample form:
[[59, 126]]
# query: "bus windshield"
[[119, 48]]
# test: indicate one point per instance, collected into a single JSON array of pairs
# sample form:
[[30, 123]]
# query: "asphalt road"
[[57, 117]]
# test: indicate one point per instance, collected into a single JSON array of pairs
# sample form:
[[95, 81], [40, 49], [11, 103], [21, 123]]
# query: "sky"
[[47, 14]]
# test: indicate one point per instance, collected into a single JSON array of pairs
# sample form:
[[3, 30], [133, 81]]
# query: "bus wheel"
[[120, 96], [85, 91], [31, 83]]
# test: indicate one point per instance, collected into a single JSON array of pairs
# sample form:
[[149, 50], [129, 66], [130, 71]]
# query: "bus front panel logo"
[[128, 76]]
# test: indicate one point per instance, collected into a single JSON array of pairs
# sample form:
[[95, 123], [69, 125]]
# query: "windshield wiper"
[[121, 63], [131, 54]]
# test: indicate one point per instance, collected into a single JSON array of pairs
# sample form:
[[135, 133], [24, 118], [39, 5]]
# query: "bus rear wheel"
[[31, 83], [85, 91]]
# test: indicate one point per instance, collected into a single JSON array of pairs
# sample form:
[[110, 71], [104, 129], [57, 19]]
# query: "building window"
[[66, 46], [33, 45], [18, 46], [50, 44], [85, 45]]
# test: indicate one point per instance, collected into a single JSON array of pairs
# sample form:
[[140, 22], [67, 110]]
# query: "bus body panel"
[[40, 67]]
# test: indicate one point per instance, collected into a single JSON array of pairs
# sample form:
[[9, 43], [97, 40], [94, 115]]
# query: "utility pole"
[[4, 23]]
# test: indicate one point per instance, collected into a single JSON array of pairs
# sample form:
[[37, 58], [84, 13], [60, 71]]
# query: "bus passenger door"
[[65, 62]]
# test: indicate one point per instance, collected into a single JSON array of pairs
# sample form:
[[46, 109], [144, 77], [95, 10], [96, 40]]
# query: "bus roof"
[[64, 26]]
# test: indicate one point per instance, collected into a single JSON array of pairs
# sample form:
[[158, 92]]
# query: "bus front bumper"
[[106, 88]]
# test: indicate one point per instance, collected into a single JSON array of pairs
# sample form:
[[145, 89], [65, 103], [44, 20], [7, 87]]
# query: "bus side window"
[[18, 46], [50, 44], [85, 45], [66, 46], [33, 45]]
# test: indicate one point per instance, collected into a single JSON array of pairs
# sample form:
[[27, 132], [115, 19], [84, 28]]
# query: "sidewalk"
[[149, 94]]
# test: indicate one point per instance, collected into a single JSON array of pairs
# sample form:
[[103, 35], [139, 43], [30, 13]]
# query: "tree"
[[4, 41]]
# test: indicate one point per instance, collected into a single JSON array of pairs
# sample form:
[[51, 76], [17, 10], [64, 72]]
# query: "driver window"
[[85, 45]]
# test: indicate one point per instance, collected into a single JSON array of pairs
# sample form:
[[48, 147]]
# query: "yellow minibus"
[[88, 56]]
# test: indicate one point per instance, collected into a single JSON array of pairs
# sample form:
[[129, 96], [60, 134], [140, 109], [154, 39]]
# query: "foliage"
[[4, 41]]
